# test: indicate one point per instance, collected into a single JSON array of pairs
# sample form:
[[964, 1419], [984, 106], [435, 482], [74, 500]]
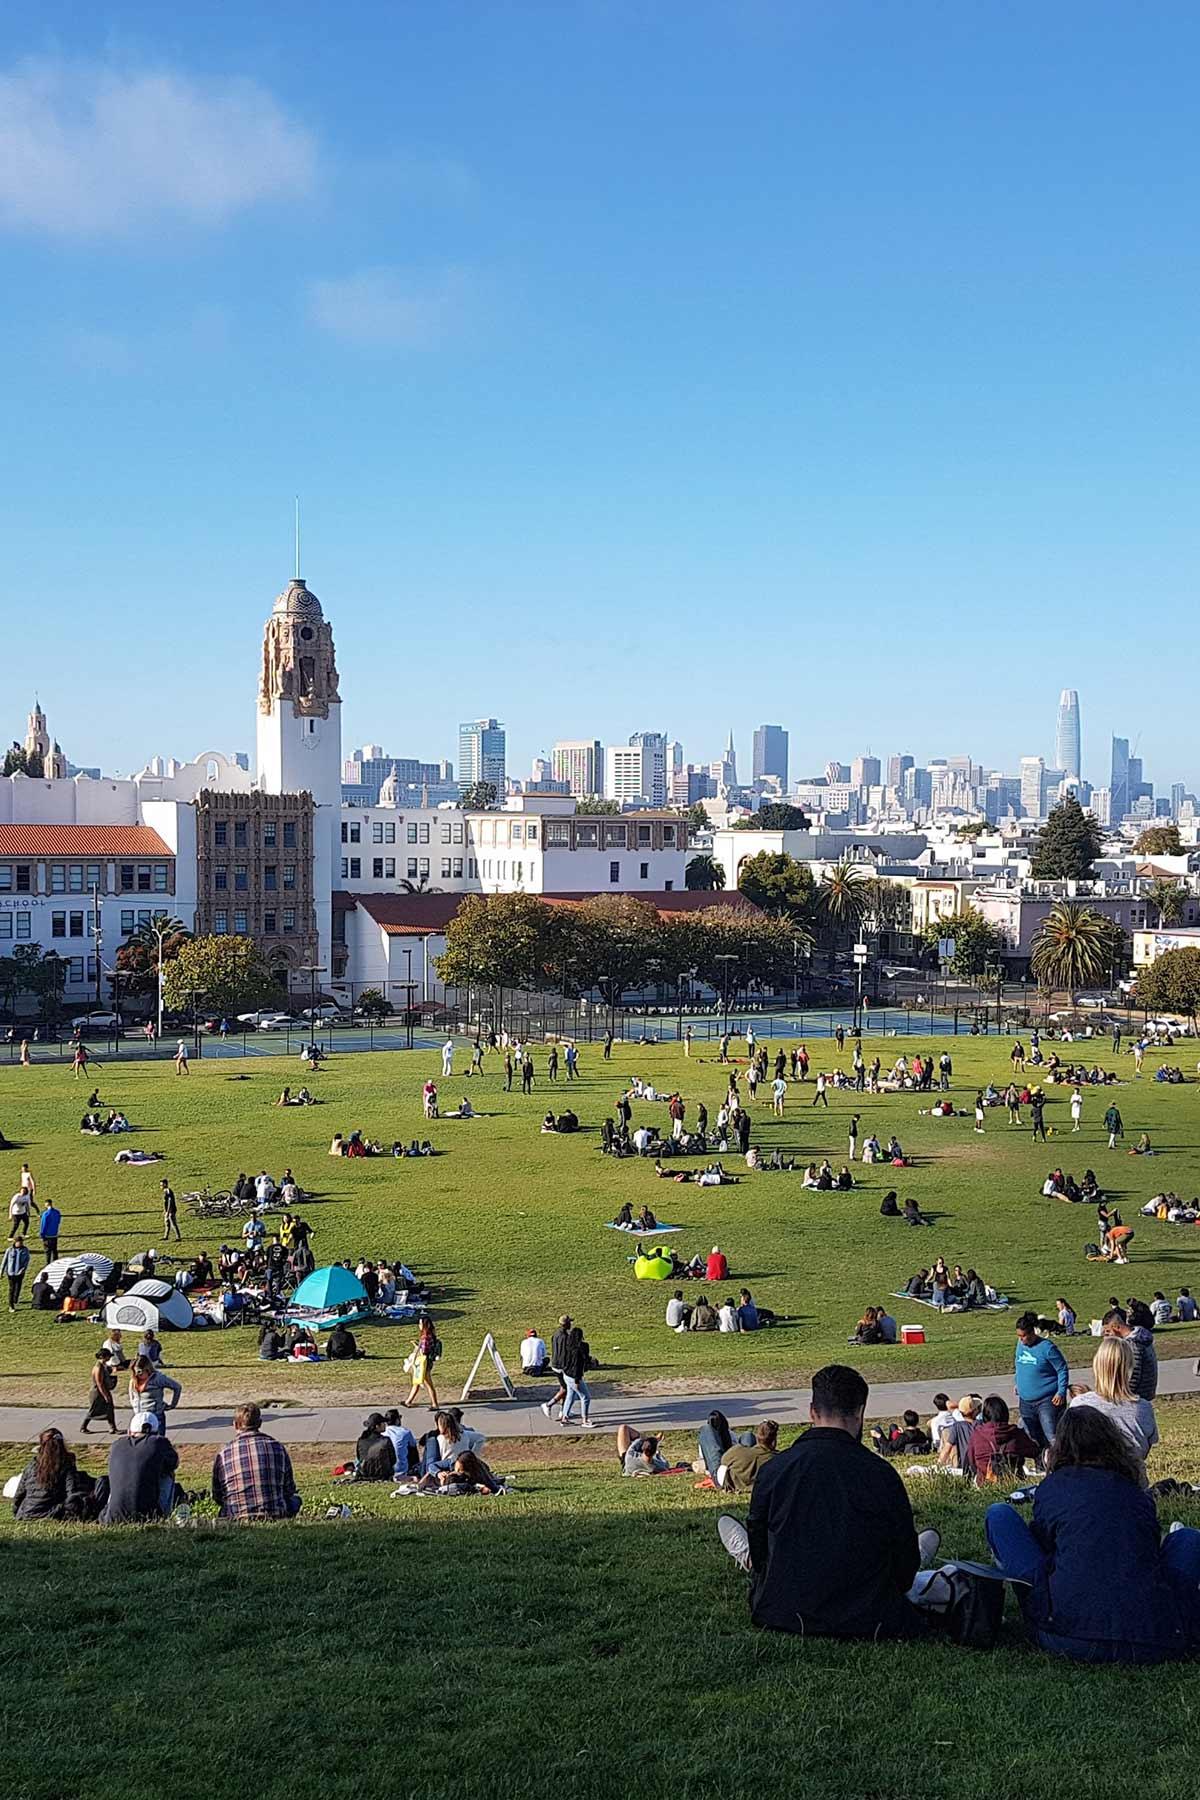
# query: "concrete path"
[[340, 1425]]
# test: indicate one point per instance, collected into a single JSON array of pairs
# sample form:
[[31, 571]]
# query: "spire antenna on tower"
[[297, 537]]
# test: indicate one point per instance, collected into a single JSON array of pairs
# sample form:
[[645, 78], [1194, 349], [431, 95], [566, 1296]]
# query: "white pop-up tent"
[[150, 1303]]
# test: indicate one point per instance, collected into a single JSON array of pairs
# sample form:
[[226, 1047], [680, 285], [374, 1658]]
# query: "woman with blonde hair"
[[1113, 1395]]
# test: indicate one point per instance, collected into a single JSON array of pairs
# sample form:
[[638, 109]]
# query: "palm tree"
[[421, 886], [138, 956], [1168, 899], [704, 873], [843, 895], [1073, 947]]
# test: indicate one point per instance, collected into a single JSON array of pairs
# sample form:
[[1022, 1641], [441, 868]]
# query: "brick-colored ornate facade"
[[254, 872]]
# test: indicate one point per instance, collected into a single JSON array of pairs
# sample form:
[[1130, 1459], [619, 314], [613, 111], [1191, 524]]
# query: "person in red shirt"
[[717, 1268]]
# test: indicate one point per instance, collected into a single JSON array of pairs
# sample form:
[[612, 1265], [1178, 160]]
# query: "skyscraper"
[[481, 754], [1066, 740], [896, 768], [580, 763], [771, 754], [865, 771], [637, 773], [1118, 784]]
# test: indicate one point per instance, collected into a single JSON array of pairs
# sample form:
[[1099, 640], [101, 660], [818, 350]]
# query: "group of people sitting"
[[1170, 1209], [93, 1125], [952, 1290], [301, 1097], [877, 1326], [627, 1220], [1058, 1186], [910, 1212], [355, 1145], [714, 1174], [446, 1461], [730, 1315], [565, 1121], [1173, 1075], [821, 1177]]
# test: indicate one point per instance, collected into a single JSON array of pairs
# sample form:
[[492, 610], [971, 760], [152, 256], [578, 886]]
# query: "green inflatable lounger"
[[654, 1266]]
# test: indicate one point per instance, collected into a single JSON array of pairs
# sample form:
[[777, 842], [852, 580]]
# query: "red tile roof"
[[426, 915], [81, 840]]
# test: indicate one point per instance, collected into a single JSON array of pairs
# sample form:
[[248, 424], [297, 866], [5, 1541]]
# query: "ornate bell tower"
[[300, 731]]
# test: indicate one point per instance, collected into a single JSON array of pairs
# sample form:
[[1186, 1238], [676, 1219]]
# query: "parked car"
[[265, 1019], [96, 1021], [328, 1012], [276, 1021]]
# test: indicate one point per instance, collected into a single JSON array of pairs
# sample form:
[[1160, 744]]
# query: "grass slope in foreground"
[[510, 1224]]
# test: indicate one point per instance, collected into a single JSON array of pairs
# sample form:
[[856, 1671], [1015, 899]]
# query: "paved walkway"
[[523, 1417]]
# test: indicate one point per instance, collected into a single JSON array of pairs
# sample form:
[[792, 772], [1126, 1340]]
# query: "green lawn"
[[509, 1224], [582, 1636]]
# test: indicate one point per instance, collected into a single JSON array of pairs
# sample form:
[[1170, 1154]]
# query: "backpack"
[[974, 1607], [1091, 1251]]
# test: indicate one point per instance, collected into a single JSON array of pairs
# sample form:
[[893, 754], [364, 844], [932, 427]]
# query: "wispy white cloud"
[[395, 309], [94, 152]]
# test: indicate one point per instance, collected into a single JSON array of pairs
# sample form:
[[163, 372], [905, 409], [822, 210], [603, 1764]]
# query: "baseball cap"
[[143, 1422]]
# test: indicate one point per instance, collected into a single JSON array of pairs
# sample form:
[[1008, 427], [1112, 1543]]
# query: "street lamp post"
[[725, 962], [679, 981], [312, 970], [860, 963], [160, 933], [408, 993]]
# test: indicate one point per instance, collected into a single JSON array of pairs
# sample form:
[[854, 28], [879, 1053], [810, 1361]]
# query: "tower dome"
[[297, 601]]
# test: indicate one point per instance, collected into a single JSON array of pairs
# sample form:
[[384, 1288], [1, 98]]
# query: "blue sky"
[[639, 366]]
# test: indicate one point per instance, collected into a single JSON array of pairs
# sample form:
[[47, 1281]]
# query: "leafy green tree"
[[698, 819], [781, 886], [1068, 844], [595, 805], [763, 949], [776, 815], [372, 1004], [977, 944], [1171, 983], [15, 761], [227, 975], [496, 941], [478, 796], [619, 942], [1159, 840], [1168, 898], [137, 958], [887, 904], [704, 872], [1074, 947]]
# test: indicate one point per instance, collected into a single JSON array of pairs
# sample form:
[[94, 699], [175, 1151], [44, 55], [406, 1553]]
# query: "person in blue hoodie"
[[1041, 1375], [1101, 1585]]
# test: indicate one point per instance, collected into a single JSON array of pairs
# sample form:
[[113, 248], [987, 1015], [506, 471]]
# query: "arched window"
[[211, 773]]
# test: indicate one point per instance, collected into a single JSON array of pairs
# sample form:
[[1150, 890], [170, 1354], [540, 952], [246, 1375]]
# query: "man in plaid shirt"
[[252, 1477]]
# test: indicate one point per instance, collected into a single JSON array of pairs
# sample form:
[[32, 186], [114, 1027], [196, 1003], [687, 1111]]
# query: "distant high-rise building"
[[771, 753], [865, 771], [482, 754], [897, 765], [1033, 786], [1118, 783], [731, 762], [580, 763], [1066, 739], [637, 772], [1178, 796], [836, 773]]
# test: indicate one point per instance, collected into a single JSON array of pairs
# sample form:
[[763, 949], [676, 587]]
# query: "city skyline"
[[648, 396]]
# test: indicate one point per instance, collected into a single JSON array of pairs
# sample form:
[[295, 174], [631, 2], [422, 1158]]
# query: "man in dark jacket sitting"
[[830, 1544], [141, 1469]]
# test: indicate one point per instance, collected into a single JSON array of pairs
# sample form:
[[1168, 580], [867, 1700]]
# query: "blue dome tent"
[[328, 1297]]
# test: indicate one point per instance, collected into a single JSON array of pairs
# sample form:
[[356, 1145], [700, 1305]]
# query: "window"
[[126, 878], [241, 878], [76, 924], [644, 837], [289, 834], [269, 924], [412, 868], [458, 834], [220, 923], [445, 834], [669, 886], [6, 920], [472, 868], [356, 868], [424, 831], [458, 868], [23, 874], [289, 875], [559, 833], [669, 836], [530, 835], [412, 834], [355, 833], [615, 837], [270, 878], [75, 878], [643, 871], [445, 868], [239, 834], [24, 925], [239, 923], [614, 871], [126, 922], [377, 832], [424, 866], [160, 878], [220, 879], [289, 918], [75, 970], [93, 877], [587, 837], [58, 878], [389, 868], [389, 834], [377, 868], [144, 918], [91, 969], [5, 878], [516, 834], [345, 868], [269, 833], [220, 832], [143, 878], [58, 924]]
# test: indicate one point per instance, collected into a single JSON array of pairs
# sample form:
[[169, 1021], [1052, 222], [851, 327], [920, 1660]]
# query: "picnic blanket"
[[1000, 1304], [640, 1231]]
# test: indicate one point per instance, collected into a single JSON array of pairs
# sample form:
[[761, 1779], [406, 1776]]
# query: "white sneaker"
[[1177, 1525], [546, 1409], [589, 1424], [928, 1543], [732, 1534]]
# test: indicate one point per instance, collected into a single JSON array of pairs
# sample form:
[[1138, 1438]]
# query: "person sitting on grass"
[[1099, 1583], [868, 1331], [829, 1544], [646, 1221], [1112, 1372], [637, 1454], [714, 1440], [704, 1317], [141, 1475], [913, 1214], [342, 1345], [51, 1485], [374, 1453], [270, 1342], [470, 1475], [252, 1476], [905, 1439], [449, 1439], [998, 1449], [889, 1206], [741, 1464], [844, 1181]]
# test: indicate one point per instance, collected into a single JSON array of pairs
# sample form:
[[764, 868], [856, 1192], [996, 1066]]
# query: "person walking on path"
[[421, 1361], [1076, 1109], [19, 1208], [181, 1059], [14, 1263], [558, 1356], [149, 1386], [1041, 1377], [170, 1213], [100, 1393], [574, 1374], [1114, 1125], [49, 1226]]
